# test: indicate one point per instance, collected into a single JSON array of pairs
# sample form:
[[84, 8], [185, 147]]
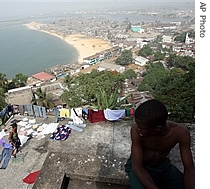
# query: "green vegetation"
[[68, 80], [2, 99], [175, 87], [180, 62], [3, 82], [105, 100], [158, 56], [3, 89], [145, 51], [130, 74], [128, 27], [84, 88], [41, 98], [180, 37], [158, 39], [19, 80], [126, 58]]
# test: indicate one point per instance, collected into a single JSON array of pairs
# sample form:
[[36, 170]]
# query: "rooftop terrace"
[[93, 158]]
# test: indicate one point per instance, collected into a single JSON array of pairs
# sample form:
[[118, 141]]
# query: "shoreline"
[[85, 46]]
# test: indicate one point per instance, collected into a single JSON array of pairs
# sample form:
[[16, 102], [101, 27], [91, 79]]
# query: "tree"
[[3, 82], [128, 27], [158, 56], [126, 58], [130, 74], [192, 34], [171, 60], [180, 37], [20, 80], [152, 76], [3, 89], [11, 85], [182, 62], [145, 51], [41, 98], [2, 98], [68, 80], [175, 87], [178, 93], [84, 87], [158, 39]]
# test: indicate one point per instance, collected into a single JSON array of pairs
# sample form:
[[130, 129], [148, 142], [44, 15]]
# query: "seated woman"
[[14, 140]]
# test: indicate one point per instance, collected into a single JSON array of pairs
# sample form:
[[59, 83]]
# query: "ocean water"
[[28, 51]]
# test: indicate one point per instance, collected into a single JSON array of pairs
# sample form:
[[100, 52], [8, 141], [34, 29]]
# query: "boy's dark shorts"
[[165, 176]]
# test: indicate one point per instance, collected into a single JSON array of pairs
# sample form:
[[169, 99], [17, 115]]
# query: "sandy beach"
[[85, 46]]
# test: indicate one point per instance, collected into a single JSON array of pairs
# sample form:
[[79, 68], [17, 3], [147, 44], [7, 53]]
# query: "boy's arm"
[[10, 138], [186, 155], [137, 161]]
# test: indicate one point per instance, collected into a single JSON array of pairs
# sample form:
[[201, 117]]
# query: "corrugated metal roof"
[[43, 76]]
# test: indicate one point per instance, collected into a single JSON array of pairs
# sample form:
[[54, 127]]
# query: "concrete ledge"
[[80, 167]]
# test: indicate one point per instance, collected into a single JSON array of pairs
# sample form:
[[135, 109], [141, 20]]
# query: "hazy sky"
[[97, 1], [15, 8]]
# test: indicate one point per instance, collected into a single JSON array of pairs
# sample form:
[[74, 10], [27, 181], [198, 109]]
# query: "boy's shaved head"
[[151, 113]]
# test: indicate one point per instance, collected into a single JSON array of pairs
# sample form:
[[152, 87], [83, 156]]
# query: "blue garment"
[[6, 152], [25, 109], [85, 110], [1, 114], [36, 110], [44, 114], [62, 133], [21, 109], [30, 109], [7, 145], [84, 113], [10, 108], [4, 112], [56, 111], [4, 144], [40, 111]]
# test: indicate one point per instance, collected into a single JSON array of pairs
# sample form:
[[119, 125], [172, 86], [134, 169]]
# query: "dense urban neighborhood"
[[135, 46], [140, 61]]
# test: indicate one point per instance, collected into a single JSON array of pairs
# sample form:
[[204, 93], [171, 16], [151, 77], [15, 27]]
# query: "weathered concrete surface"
[[94, 158], [97, 154]]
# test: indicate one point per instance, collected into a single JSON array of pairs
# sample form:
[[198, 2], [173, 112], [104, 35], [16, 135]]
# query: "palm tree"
[[3, 82], [68, 80], [41, 98], [2, 99]]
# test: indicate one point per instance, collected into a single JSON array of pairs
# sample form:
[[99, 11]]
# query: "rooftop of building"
[[93, 158]]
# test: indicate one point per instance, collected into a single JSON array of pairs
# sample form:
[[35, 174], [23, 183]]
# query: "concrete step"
[[78, 184]]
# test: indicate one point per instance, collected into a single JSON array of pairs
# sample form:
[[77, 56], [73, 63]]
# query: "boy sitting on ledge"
[[153, 137]]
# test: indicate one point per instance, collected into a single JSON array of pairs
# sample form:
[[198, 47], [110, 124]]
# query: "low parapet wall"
[[97, 154]]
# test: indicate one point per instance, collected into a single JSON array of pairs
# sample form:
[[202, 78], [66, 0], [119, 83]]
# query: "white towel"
[[50, 128], [75, 118], [113, 115]]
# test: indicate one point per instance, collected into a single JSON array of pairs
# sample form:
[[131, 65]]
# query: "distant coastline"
[[85, 46]]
